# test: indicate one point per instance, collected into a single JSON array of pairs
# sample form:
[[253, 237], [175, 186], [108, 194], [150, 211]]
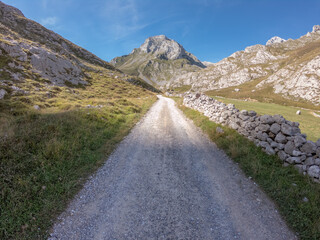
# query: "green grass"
[[284, 185], [309, 124], [182, 89], [46, 155], [45, 158], [266, 94]]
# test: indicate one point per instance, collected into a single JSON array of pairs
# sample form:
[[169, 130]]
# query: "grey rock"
[[314, 171], [252, 113], [317, 161], [3, 93], [266, 146], [296, 153], [296, 124], [244, 117], [305, 199], [299, 140], [281, 146], [282, 155], [274, 144], [318, 143], [289, 148], [280, 138], [230, 106], [36, 107], [244, 112], [262, 136], [267, 119], [275, 128], [309, 161], [233, 125], [219, 130], [262, 128], [270, 151], [289, 130], [279, 119], [292, 160], [318, 151], [309, 147], [225, 115]]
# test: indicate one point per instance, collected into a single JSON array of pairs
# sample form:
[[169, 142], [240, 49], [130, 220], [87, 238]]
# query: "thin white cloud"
[[45, 4], [123, 18], [49, 21]]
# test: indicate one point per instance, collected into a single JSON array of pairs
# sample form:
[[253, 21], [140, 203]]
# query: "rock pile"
[[274, 134]]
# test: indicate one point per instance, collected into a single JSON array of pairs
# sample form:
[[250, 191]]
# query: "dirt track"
[[166, 180]]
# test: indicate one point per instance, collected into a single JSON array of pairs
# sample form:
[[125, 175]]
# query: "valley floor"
[[167, 180]]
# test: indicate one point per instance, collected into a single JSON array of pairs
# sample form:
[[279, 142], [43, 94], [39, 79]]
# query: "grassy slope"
[[46, 155], [309, 124], [264, 94], [284, 185]]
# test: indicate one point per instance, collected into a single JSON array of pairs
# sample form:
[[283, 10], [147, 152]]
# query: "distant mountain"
[[207, 64], [288, 68], [158, 60]]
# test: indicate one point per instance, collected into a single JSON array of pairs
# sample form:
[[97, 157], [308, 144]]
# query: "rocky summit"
[[290, 69], [158, 60], [275, 39]]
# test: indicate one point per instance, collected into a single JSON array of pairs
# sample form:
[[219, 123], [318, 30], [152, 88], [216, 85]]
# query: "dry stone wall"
[[274, 134]]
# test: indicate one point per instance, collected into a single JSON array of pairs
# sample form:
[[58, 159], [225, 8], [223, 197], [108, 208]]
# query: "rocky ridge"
[[290, 68], [274, 134], [158, 60], [25, 43]]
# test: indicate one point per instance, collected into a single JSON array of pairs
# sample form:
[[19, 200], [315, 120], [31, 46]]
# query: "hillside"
[[288, 69], [62, 111], [158, 60]]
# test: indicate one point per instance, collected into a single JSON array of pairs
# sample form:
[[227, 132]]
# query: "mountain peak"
[[316, 28], [275, 39], [163, 46]]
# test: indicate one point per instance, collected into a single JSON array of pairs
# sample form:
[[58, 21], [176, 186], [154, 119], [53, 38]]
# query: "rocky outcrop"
[[274, 134], [290, 68], [25, 44], [167, 49], [158, 60], [316, 28], [274, 40]]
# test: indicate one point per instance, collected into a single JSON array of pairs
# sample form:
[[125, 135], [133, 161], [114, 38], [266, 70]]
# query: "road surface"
[[166, 180]]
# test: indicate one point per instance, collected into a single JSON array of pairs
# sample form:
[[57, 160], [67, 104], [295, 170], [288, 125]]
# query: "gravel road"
[[166, 180]]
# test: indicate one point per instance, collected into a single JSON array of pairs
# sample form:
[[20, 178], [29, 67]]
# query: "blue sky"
[[210, 29]]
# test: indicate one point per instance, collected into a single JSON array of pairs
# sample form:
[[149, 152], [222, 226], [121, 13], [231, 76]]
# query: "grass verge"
[[284, 185], [45, 157]]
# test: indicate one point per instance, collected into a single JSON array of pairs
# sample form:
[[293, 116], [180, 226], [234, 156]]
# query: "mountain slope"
[[158, 60], [62, 112], [290, 69]]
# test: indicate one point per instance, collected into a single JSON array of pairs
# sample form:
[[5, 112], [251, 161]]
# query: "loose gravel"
[[167, 180]]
